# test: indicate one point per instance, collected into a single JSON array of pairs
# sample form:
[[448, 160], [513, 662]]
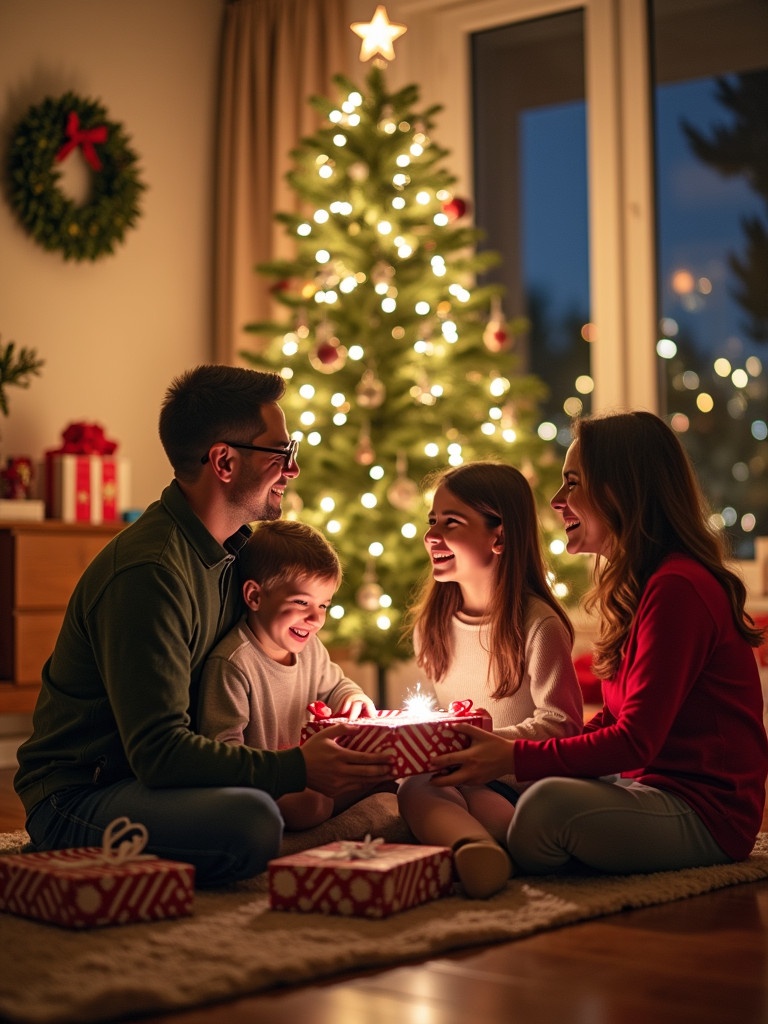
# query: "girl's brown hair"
[[502, 495], [638, 477]]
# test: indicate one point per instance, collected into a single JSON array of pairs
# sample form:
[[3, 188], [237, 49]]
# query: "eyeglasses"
[[288, 453]]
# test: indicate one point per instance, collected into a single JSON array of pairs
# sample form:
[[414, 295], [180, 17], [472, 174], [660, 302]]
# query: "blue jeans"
[[614, 825], [227, 833]]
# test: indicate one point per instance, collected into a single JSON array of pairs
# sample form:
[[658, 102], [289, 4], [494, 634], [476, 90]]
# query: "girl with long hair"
[[671, 772], [486, 627]]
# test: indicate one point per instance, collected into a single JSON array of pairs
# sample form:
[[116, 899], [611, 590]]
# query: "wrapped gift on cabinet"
[[93, 886], [85, 481], [413, 739], [360, 879]]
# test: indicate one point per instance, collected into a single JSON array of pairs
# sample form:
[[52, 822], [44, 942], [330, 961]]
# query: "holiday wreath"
[[45, 137]]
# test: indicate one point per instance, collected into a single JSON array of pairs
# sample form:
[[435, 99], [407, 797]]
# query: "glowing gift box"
[[93, 886], [360, 879], [413, 739]]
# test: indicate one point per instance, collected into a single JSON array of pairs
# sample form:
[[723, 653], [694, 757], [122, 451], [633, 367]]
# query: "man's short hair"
[[211, 403], [284, 550]]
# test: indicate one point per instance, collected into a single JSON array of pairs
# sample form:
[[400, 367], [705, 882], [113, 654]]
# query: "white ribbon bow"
[[115, 849], [351, 850]]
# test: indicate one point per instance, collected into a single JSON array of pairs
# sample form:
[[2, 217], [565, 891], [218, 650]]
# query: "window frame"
[[619, 154]]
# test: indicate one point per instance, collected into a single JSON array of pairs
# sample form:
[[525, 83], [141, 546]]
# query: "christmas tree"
[[398, 363]]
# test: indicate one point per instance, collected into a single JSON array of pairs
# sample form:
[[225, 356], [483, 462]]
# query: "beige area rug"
[[234, 945]]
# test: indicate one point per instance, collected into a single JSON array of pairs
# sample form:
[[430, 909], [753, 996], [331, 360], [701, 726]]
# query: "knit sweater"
[[547, 703], [684, 712], [246, 697], [119, 691]]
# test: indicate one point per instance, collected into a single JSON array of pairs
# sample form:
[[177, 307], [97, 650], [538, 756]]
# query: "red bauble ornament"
[[327, 353], [455, 208], [329, 356], [495, 337]]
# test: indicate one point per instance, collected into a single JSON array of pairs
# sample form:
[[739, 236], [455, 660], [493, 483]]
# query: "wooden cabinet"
[[40, 563]]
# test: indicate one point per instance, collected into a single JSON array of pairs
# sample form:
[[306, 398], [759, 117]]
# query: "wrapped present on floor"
[[413, 738], [92, 886], [360, 879], [85, 481]]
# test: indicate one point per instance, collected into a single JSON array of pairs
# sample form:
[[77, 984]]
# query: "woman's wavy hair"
[[502, 495], [640, 481]]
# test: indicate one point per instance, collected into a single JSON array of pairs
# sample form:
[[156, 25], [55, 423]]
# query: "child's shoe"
[[483, 867]]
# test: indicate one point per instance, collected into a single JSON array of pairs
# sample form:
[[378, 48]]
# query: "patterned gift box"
[[85, 488], [413, 741], [363, 879], [93, 886]]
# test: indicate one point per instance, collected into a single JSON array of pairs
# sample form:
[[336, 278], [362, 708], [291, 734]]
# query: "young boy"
[[258, 681]]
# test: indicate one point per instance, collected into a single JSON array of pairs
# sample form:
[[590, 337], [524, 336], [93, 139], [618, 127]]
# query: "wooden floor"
[[702, 960]]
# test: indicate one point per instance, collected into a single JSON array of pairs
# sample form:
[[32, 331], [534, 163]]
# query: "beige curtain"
[[275, 55]]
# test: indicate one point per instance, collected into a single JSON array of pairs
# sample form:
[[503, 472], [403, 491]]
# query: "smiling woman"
[[585, 528], [671, 772]]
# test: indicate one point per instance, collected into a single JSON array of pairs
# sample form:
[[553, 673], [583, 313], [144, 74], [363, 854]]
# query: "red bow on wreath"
[[83, 137]]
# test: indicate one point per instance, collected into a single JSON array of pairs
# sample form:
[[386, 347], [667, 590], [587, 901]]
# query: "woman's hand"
[[486, 758]]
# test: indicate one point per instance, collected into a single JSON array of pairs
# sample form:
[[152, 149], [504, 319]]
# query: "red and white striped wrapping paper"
[[414, 743], [332, 880], [62, 887], [86, 488]]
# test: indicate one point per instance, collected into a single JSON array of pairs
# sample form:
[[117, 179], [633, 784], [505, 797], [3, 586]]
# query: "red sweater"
[[684, 712]]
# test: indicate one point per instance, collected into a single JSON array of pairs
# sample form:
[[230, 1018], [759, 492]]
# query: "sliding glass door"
[[620, 165]]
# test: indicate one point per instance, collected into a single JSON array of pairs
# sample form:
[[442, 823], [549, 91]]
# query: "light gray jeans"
[[615, 825]]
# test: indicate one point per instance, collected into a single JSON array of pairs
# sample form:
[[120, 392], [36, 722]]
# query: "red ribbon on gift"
[[461, 708], [84, 439], [319, 710], [83, 137]]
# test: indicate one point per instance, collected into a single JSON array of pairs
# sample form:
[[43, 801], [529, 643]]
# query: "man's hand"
[[487, 757], [333, 769]]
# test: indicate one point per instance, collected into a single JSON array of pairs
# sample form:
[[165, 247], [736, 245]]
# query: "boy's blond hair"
[[283, 550]]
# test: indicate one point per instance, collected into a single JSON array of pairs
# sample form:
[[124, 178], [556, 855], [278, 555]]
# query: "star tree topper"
[[378, 35]]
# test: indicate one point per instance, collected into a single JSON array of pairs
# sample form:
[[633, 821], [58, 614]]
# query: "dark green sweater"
[[119, 691]]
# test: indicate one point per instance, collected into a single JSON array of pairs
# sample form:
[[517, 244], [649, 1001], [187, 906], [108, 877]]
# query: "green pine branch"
[[17, 365]]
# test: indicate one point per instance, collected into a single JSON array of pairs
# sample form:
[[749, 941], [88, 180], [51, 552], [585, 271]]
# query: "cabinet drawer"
[[40, 563], [49, 566]]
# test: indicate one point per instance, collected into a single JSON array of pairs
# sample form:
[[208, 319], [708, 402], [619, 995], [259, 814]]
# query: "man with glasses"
[[114, 726]]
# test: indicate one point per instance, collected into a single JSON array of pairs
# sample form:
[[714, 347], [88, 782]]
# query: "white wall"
[[115, 331]]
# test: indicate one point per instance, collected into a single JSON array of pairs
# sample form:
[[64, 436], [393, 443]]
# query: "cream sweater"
[[548, 701], [246, 697]]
